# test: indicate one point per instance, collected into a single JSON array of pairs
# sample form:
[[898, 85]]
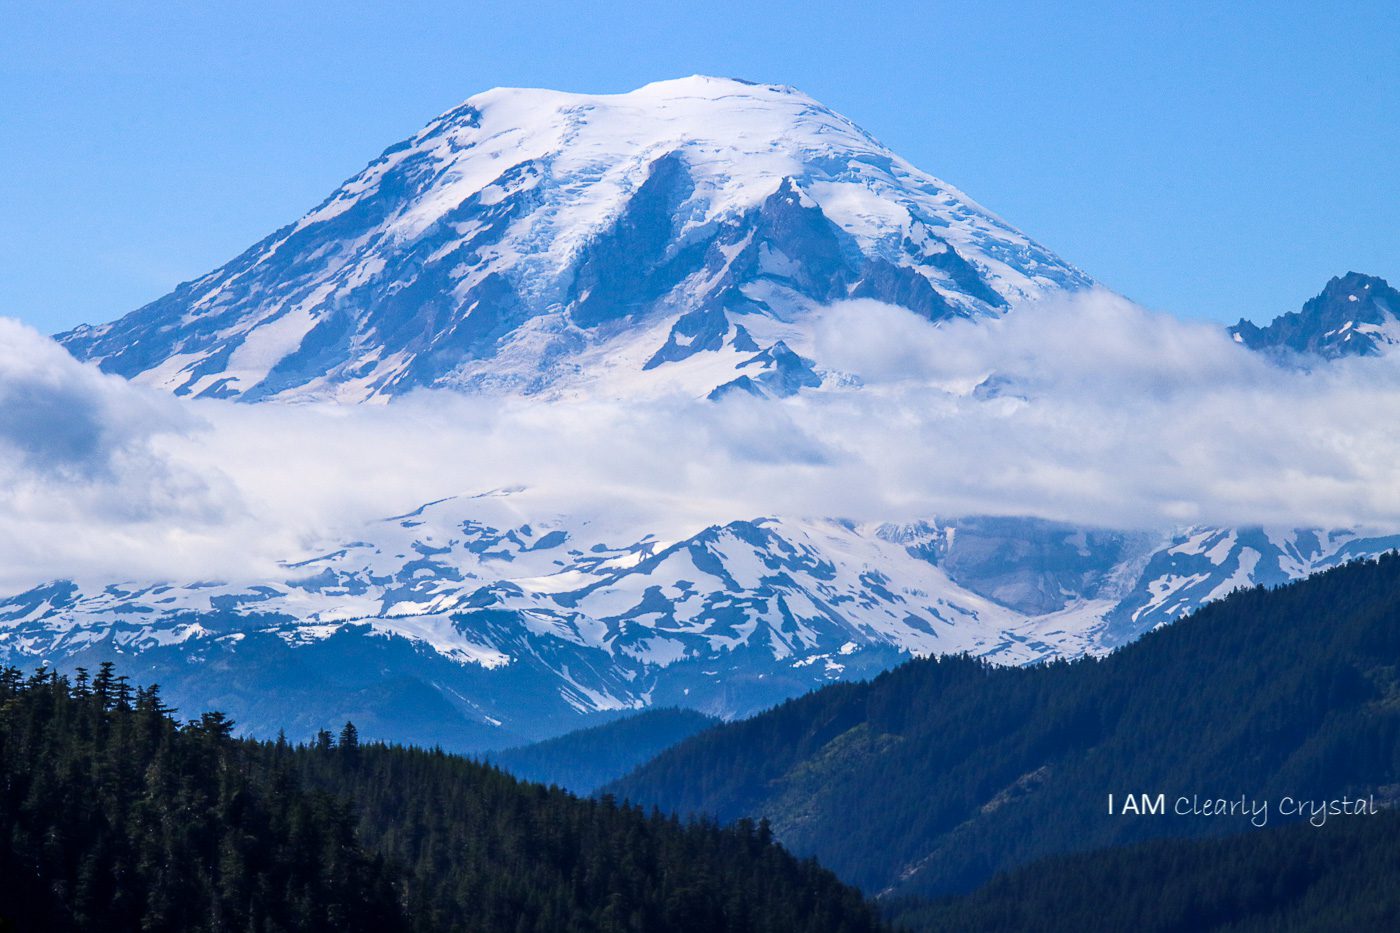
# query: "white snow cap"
[[739, 140], [491, 208]]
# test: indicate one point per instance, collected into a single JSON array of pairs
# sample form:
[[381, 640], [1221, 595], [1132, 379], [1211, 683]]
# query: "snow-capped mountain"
[[685, 237], [471, 623], [531, 240], [1355, 315]]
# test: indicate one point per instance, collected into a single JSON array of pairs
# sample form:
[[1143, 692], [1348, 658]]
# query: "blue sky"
[[1213, 160]]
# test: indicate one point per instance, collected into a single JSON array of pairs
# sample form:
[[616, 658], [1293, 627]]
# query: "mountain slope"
[[530, 239], [482, 622], [586, 759], [937, 775], [480, 850], [1355, 315], [1301, 879]]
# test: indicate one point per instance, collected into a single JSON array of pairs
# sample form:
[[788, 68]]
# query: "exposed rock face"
[[1354, 316]]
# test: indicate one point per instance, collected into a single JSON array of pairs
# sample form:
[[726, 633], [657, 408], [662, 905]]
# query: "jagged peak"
[[1354, 283], [1352, 316]]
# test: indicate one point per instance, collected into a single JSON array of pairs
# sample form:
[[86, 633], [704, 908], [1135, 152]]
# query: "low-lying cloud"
[[1089, 410]]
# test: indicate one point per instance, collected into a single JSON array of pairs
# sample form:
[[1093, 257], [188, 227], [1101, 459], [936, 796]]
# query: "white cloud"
[[83, 482], [1103, 412], [1091, 410]]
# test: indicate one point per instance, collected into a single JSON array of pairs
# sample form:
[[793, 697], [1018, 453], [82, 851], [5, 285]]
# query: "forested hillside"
[[585, 759], [1339, 878], [115, 817], [112, 817], [939, 774], [482, 851]]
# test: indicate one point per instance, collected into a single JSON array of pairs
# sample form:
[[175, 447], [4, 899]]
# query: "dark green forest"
[[115, 817], [1340, 878], [586, 759], [936, 776]]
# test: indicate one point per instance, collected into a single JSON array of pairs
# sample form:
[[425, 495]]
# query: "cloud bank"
[[1089, 410]]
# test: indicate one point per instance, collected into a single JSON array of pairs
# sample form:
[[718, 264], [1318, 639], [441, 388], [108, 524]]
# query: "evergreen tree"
[[349, 742]]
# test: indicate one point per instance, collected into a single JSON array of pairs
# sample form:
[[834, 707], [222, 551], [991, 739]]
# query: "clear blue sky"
[[1214, 160]]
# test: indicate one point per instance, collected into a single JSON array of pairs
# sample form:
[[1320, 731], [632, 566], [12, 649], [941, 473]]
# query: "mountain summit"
[[1355, 315], [527, 238]]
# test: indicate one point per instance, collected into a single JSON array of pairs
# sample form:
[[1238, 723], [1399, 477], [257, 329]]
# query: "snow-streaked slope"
[[525, 235], [523, 624]]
